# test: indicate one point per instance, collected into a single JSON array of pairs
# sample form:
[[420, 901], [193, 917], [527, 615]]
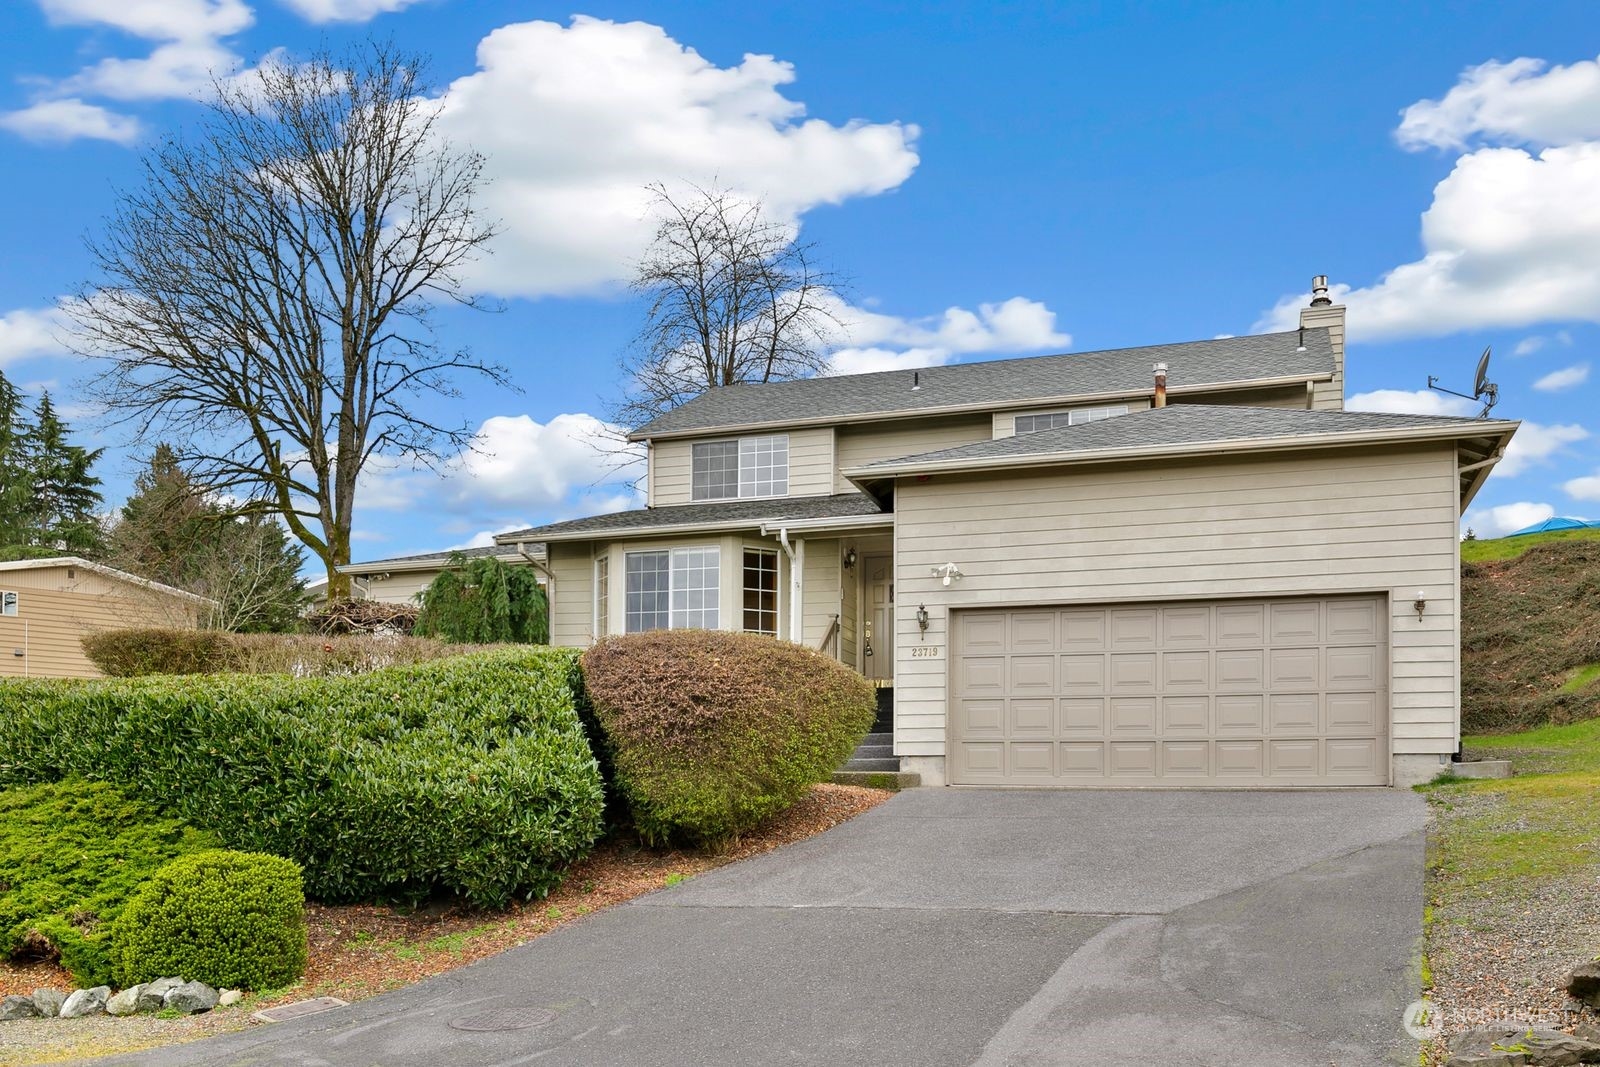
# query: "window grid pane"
[[764, 465], [1051, 419], [761, 592], [715, 474], [648, 588], [695, 589]]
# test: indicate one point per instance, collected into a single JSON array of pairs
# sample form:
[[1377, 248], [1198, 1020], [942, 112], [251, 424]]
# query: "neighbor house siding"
[[810, 465], [401, 588], [1347, 521], [857, 445], [45, 638]]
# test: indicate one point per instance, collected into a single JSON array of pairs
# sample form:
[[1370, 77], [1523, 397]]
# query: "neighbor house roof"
[[53, 562], [1230, 362], [428, 561], [715, 515], [1191, 429]]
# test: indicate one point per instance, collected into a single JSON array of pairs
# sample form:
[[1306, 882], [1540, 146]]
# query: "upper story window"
[[1076, 417], [746, 467]]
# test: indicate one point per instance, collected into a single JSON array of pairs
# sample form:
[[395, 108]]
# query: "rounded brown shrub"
[[710, 733]]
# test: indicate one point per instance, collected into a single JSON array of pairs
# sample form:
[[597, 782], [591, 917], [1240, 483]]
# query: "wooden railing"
[[831, 634]]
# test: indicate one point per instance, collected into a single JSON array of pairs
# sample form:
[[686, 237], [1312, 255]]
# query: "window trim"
[[739, 469], [10, 603], [1114, 411], [602, 594], [671, 553], [745, 589]]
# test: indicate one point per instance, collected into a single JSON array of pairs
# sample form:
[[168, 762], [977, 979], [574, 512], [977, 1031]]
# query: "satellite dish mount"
[[1482, 388]]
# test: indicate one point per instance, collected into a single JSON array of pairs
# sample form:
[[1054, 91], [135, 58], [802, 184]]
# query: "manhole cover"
[[504, 1019]]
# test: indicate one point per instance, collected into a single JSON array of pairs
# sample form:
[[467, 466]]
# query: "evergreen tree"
[[484, 601], [14, 478], [64, 494]]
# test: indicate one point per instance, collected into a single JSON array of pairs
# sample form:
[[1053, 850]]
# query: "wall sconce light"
[[948, 573], [1421, 603], [922, 619], [849, 557]]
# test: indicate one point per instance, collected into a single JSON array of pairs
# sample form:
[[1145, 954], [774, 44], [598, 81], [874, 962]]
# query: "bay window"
[[674, 589]]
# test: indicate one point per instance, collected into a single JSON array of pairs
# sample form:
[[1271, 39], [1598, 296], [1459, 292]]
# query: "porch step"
[[895, 780], [857, 763], [875, 753]]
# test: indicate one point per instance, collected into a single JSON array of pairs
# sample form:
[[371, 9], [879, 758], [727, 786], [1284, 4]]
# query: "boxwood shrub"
[[711, 733], [71, 855], [230, 919], [469, 775]]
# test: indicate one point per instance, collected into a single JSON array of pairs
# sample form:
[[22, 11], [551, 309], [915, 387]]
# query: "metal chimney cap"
[[1161, 368], [1319, 292]]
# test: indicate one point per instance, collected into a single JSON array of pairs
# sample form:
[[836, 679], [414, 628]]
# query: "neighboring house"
[[1180, 565], [402, 579], [48, 606]]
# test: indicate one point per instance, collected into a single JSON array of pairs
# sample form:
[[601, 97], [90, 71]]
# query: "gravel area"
[[360, 950]]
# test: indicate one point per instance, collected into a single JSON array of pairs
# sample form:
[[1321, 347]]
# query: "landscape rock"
[[152, 995], [125, 1002], [86, 1002], [15, 1007], [229, 997], [48, 1002], [1519, 1046], [191, 998], [1583, 983]]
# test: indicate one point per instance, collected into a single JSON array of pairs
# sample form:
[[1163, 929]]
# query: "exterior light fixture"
[[948, 573], [1421, 603], [849, 557], [922, 619]]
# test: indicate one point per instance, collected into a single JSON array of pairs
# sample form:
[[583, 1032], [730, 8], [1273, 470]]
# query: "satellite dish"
[[1480, 385]]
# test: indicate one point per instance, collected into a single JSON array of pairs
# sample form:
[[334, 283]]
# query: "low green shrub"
[[71, 855], [153, 650], [469, 775], [711, 732], [234, 920]]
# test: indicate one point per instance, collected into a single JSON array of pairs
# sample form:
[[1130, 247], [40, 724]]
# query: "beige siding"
[[1340, 522], [571, 595], [401, 588], [44, 639], [823, 594], [905, 437], [1329, 396], [810, 466]]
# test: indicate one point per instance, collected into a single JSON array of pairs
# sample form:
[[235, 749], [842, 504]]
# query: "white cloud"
[[30, 332], [1529, 345], [1525, 101], [1565, 378], [174, 70], [485, 538], [344, 10], [1506, 518], [886, 342], [519, 462], [576, 120], [168, 20], [1536, 443], [1407, 402], [1584, 488], [71, 120]]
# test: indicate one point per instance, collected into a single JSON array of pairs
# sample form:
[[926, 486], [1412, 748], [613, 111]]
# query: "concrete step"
[[893, 780], [859, 763]]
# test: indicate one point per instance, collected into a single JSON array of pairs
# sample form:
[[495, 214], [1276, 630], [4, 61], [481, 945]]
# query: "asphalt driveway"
[[956, 927]]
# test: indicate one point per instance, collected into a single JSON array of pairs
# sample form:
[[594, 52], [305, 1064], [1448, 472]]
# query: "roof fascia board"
[[105, 572], [1237, 445], [620, 533], [380, 567], [843, 522], [1230, 386]]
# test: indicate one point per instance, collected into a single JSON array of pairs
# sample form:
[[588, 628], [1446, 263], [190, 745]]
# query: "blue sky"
[[994, 182]]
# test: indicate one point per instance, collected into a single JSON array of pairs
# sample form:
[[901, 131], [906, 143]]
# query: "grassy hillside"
[[1530, 633], [1510, 547]]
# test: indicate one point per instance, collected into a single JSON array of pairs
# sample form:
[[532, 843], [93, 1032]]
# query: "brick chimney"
[[1161, 386], [1323, 312]]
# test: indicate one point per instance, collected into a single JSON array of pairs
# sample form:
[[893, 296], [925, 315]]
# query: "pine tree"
[[61, 509], [14, 476]]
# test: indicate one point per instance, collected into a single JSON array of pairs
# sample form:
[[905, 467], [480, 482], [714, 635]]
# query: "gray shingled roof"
[[1185, 424], [721, 512], [1002, 382], [439, 557]]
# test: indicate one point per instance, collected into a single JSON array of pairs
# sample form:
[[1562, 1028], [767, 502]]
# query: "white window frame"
[[745, 589], [602, 595], [682, 563], [758, 473], [8, 602], [1075, 417]]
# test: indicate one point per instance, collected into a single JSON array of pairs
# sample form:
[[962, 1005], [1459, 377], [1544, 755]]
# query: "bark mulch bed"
[[359, 950]]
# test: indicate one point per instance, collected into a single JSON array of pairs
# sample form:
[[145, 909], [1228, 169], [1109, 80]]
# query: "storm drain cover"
[[283, 1013], [510, 1018]]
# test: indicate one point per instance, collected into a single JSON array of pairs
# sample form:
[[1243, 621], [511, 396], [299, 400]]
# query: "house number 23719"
[[924, 651]]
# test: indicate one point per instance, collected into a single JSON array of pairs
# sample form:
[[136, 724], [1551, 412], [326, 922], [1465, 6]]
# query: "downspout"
[[797, 566]]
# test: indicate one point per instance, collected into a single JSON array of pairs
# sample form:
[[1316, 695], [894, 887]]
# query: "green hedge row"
[[470, 775]]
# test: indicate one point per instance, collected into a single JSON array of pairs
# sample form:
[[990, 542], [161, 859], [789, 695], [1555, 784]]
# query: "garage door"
[[1221, 694]]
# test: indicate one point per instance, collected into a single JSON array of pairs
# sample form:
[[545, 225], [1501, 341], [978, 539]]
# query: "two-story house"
[[1179, 565]]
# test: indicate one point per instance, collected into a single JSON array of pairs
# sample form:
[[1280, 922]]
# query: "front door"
[[878, 624]]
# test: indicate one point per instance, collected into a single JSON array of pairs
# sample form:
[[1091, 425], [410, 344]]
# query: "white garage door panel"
[[1231, 693]]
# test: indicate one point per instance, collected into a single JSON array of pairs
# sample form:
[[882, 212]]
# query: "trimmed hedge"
[[712, 732], [234, 920], [154, 650], [71, 855], [470, 775], [141, 652]]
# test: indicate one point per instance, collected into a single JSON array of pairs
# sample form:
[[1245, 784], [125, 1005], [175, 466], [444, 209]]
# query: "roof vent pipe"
[[916, 381], [1319, 292], [1161, 385]]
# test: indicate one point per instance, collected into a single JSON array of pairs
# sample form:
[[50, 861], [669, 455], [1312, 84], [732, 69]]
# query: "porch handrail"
[[829, 635]]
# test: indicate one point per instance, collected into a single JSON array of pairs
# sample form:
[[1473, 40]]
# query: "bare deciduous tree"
[[263, 299], [733, 298]]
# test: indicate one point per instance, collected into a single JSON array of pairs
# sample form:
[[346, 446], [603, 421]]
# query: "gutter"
[[380, 567], [1231, 446]]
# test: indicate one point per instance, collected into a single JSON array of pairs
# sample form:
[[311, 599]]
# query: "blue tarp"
[[1557, 523]]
